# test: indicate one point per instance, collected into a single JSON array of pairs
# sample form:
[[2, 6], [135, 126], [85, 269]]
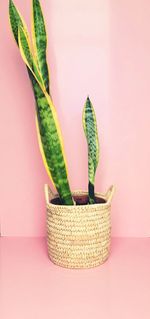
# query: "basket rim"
[[80, 192]]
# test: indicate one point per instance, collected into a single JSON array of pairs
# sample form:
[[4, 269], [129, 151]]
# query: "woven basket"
[[78, 236]]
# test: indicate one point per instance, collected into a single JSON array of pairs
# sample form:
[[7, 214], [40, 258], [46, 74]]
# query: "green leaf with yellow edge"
[[17, 22], [39, 38], [91, 133], [26, 53], [49, 133], [15, 19]]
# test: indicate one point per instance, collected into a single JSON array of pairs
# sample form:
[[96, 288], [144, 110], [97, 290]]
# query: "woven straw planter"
[[78, 236]]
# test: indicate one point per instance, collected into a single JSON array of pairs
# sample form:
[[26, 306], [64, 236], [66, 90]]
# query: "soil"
[[80, 200]]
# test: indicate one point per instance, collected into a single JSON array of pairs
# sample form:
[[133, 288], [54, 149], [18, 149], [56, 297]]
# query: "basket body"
[[78, 236]]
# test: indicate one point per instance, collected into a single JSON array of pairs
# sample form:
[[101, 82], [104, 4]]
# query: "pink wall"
[[100, 48]]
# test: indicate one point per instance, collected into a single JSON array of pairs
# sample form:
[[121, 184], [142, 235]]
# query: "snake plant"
[[49, 133], [33, 53], [91, 133]]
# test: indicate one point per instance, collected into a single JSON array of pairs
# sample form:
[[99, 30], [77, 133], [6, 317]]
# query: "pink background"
[[100, 48]]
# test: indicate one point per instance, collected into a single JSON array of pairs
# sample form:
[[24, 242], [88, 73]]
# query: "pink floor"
[[33, 288]]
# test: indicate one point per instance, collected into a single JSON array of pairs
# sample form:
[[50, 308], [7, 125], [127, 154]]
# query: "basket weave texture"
[[78, 236]]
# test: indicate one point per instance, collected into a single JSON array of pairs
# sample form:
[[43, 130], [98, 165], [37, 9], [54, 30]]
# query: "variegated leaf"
[[49, 133], [91, 133], [40, 41]]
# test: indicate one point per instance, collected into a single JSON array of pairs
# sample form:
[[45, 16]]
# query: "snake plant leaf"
[[42, 150], [15, 19], [49, 134], [39, 39], [26, 53], [49, 130], [91, 133], [16, 22]]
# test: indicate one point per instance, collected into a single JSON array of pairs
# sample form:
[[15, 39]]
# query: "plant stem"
[[91, 193]]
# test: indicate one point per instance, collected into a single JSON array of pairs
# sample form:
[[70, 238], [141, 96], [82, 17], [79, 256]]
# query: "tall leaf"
[[40, 41], [91, 133], [27, 56], [49, 135], [15, 19]]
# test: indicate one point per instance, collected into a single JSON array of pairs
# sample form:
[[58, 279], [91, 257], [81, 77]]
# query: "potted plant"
[[78, 223]]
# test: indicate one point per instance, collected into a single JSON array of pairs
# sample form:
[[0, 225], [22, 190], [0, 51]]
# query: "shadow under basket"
[[78, 236]]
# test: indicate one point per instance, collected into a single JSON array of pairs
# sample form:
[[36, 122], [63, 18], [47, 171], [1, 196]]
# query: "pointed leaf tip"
[[88, 99]]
